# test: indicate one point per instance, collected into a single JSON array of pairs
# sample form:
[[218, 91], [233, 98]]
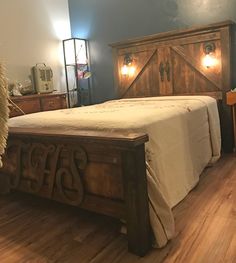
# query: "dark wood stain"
[[182, 51], [37, 103], [116, 186], [99, 171], [37, 230]]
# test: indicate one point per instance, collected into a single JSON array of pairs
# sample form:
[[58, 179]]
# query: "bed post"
[[4, 184], [226, 112], [136, 200], [127, 152]]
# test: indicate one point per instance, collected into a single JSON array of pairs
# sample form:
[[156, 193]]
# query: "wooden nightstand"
[[231, 101], [37, 103]]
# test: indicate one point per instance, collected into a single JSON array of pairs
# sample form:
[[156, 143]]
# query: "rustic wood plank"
[[139, 70], [187, 74], [52, 164], [226, 122], [136, 201], [184, 40], [90, 137], [148, 78], [231, 101], [37, 230], [20, 105], [196, 65], [173, 34]]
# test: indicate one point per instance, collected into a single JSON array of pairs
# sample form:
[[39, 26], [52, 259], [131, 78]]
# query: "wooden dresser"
[[231, 101], [37, 103]]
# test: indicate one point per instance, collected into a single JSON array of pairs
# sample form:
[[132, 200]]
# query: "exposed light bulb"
[[131, 70], [125, 70], [128, 70], [209, 61]]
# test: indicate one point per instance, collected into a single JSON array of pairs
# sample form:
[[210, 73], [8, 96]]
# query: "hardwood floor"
[[36, 230]]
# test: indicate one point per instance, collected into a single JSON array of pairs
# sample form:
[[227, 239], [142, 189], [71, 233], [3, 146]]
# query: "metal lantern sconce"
[[209, 48], [128, 68], [209, 59], [128, 59]]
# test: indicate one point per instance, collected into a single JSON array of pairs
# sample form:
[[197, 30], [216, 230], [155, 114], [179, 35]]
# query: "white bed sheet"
[[184, 137]]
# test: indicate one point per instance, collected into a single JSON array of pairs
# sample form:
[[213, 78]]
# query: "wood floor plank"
[[37, 230]]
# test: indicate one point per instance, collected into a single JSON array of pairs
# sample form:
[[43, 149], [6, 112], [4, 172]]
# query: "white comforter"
[[184, 137]]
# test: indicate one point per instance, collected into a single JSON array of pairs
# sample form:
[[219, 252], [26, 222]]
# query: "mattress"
[[184, 137]]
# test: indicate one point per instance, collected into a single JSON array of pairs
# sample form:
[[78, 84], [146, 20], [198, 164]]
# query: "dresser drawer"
[[52, 103], [63, 101], [38, 102], [28, 106], [14, 111]]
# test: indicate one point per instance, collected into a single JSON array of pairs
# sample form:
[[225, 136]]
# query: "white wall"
[[31, 32]]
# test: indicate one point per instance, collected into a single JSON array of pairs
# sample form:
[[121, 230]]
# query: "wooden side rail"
[[99, 171], [231, 101]]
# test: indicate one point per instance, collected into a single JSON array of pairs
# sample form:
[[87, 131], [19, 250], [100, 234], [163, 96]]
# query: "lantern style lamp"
[[128, 68], [209, 59]]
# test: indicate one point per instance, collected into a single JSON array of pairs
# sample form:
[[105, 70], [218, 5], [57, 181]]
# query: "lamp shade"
[[77, 68], [75, 51]]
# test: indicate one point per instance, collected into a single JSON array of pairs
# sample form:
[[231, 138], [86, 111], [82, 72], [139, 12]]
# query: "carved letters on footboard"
[[38, 164], [98, 171]]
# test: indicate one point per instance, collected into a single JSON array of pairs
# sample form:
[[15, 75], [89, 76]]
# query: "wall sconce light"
[[128, 67], [209, 59]]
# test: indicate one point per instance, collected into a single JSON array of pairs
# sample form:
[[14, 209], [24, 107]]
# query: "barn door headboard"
[[183, 62]]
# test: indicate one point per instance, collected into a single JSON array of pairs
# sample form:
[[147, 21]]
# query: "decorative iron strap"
[[161, 71]]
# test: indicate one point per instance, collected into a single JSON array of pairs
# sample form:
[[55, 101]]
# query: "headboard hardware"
[[209, 47], [128, 59], [128, 67], [167, 70], [186, 51], [162, 70]]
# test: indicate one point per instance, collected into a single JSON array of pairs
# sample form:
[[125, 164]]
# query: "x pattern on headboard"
[[180, 55], [171, 64]]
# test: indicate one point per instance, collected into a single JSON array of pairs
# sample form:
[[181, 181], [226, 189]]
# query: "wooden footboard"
[[99, 171]]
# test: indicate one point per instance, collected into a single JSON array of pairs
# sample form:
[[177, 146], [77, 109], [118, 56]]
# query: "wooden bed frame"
[[105, 172]]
